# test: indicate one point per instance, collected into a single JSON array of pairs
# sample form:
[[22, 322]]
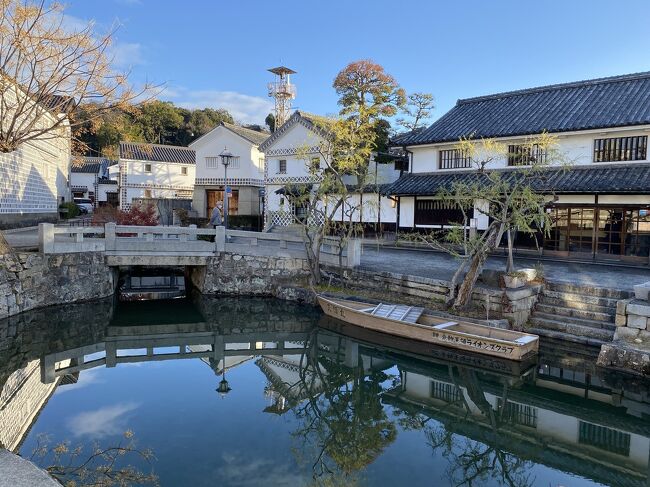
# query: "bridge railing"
[[132, 240], [64, 240]]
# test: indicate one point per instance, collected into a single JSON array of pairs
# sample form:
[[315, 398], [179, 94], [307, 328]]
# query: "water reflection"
[[352, 403]]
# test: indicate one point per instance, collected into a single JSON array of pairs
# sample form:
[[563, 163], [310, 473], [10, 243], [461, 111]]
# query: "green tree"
[[201, 121], [346, 145], [418, 109], [270, 122], [159, 121]]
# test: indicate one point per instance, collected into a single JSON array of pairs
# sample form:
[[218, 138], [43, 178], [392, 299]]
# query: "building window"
[[314, 164], [262, 163], [455, 159], [521, 414], [212, 162], [437, 212], [524, 155], [621, 149], [604, 438], [147, 193], [282, 166], [184, 171], [147, 168], [445, 391], [234, 163]]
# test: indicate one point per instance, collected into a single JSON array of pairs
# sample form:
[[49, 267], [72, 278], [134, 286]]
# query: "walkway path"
[[438, 265]]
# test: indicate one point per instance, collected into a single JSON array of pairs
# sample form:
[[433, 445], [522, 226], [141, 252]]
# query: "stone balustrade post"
[[192, 233], [110, 236], [353, 253], [220, 239], [46, 238]]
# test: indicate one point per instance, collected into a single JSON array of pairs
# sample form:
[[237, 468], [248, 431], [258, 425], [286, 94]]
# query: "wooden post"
[[46, 238]]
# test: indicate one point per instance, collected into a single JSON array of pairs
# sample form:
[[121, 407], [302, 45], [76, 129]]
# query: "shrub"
[[139, 215], [70, 209]]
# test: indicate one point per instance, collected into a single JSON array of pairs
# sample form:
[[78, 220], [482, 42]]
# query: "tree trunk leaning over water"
[[480, 255]]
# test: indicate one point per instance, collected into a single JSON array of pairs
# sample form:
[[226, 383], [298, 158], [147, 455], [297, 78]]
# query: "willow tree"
[[512, 200]]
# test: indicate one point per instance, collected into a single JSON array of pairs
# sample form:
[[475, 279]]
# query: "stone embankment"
[[32, 280]]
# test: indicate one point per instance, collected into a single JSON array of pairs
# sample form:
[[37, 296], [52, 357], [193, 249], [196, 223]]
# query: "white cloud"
[[243, 108], [241, 471], [105, 421], [127, 54]]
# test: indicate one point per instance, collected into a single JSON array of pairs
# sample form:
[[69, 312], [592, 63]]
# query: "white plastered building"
[[34, 177], [285, 152], [155, 171]]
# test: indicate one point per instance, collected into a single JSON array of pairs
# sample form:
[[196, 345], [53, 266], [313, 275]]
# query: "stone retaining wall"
[[513, 304], [234, 274], [32, 280]]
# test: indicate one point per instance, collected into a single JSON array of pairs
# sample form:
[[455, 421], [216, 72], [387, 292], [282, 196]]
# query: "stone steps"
[[577, 314], [588, 290], [580, 301], [590, 314], [563, 336], [570, 320]]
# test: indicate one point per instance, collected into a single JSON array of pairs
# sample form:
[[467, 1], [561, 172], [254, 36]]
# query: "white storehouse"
[[245, 172], [34, 178], [285, 166], [155, 171], [89, 178], [600, 207]]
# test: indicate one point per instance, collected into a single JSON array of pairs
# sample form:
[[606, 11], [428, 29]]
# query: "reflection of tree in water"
[[342, 424], [474, 462]]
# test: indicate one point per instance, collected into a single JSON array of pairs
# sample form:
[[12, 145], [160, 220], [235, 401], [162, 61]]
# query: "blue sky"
[[215, 52]]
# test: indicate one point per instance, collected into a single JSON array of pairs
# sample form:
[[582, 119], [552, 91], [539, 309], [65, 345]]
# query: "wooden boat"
[[412, 322]]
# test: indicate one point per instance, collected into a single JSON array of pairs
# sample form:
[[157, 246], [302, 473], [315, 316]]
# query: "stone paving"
[[18, 472], [437, 265]]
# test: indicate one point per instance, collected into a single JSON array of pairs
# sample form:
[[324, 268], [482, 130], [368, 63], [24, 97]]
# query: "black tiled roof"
[[157, 153], [616, 101], [252, 136], [92, 165], [592, 179], [106, 181]]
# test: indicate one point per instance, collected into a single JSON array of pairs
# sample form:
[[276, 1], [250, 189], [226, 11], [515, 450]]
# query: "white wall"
[[83, 179], [576, 148], [300, 138], [34, 177], [251, 160], [164, 181]]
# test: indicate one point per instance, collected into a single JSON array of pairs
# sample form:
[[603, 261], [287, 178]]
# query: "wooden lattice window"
[[621, 149], [455, 159], [524, 155]]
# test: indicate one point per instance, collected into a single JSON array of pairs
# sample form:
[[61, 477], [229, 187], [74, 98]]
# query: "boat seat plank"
[[445, 325], [398, 312], [526, 339]]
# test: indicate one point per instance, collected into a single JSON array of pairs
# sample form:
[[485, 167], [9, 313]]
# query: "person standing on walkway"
[[216, 219]]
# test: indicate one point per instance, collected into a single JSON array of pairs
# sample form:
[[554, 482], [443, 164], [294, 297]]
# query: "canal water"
[[248, 392]]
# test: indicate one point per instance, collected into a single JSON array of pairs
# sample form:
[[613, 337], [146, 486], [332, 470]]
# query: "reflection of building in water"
[[561, 418], [292, 380], [21, 400]]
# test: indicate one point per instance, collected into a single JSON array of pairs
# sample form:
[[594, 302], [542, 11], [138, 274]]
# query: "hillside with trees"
[[157, 122]]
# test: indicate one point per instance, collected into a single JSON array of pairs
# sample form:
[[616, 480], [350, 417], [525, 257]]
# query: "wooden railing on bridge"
[[130, 240]]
